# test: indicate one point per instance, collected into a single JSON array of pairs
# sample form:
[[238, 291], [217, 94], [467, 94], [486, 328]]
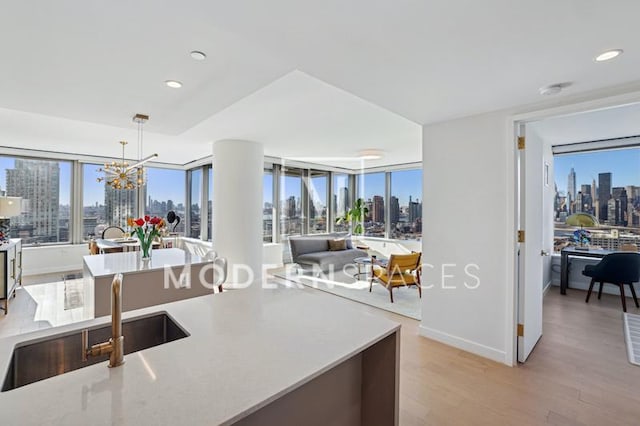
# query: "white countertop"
[[108, 264], [246, 349]]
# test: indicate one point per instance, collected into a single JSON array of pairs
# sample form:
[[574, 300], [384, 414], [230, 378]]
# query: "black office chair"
[[618, 269]]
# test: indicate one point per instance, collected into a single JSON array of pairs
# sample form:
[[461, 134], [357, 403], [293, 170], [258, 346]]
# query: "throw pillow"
[[337, 245], [349, 242]]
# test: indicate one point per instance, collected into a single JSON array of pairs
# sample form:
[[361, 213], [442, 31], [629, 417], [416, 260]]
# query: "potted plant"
[[355, 217], [146, 229]]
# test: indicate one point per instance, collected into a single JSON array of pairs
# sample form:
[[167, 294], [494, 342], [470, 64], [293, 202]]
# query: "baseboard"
[[546, 288], [464, 344], [53, 270]]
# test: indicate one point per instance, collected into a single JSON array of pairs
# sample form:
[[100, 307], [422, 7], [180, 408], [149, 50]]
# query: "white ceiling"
[[300, 117], [102, 62], [608, 123]]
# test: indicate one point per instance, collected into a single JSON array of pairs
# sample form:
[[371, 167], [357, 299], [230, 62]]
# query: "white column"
[[238, 168]]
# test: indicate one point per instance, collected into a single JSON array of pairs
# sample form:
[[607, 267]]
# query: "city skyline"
[[404, 184], [624, 166]]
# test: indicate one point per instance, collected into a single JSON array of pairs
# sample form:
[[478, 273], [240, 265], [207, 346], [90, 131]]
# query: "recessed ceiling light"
[[174, 84], [198, 55], [608, 55], [553, 89], [370, 154]]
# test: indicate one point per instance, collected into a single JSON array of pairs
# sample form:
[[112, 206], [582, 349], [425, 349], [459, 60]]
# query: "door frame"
[[572, 107]]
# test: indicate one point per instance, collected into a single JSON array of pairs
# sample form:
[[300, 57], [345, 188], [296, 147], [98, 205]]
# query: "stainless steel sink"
[[41, 359]]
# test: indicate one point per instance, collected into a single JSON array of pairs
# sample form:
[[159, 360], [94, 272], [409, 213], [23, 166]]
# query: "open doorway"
[[574, 167]]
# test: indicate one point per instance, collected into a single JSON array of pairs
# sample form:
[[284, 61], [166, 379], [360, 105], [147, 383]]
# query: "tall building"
[[620, 195], [571, 189], [343, 200], [586, 204], [377, 215], [38, 183], [394, 210], [119, 205], [579, 204], [613, 211], [624, 216], [415, 210], [594, 192], [604, 193], [291, 206]]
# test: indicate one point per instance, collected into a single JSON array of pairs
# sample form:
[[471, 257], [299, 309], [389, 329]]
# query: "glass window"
[[318, 201], [291, 203], [45, 188], [371, 188], [210, 209], [194, 211], [604, 185], [165, 191], [405, 206], [267, 207], [102, 205], [341, 200]]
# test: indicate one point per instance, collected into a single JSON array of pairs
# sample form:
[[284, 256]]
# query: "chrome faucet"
[[115, 346]]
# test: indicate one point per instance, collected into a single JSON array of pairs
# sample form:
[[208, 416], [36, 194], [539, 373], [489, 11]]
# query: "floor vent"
[[632, 336]]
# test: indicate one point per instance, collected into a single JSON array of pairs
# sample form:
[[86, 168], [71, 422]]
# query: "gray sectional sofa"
[[311, 252]]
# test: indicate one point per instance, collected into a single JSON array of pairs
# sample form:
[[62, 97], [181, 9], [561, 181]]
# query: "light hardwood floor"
[[578, 374]]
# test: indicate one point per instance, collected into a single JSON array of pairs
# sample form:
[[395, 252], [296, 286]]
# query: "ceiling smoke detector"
[[553, 89]]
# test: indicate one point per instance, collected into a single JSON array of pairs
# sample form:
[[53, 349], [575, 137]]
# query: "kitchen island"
[[171, 274], [285, 357]]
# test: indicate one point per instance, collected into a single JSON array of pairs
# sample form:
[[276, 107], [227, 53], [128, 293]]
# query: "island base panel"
[[362, 390]]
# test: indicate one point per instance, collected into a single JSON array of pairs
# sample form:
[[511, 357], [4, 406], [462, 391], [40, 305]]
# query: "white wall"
[[468, 216], [469, 191]]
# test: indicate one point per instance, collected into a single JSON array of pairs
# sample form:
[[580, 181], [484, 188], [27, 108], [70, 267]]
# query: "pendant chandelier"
[[122, 175]]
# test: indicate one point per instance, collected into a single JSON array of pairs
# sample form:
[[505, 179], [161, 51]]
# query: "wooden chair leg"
[[590, 290], [600, 290], [633, 293], [420, 290], [623, 297], [370, 283], [391, 293], [220, 288]]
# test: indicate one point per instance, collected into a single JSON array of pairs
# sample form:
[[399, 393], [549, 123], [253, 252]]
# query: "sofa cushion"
[[337, 245], [304, 245], [325, 259], [346, 236]]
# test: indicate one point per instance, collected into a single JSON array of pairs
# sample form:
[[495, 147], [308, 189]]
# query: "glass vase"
[[146, 248]]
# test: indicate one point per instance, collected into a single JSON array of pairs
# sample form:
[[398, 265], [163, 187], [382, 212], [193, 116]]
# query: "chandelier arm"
[[141, 162], [111, 172]]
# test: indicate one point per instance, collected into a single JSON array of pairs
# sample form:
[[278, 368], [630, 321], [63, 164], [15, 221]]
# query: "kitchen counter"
[[171, 274], [251, 357], [131, 262]]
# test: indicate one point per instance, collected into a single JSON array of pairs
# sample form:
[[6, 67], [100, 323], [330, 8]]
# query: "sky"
[[166, 184], [163, 184], [65, 178], [624, 165]]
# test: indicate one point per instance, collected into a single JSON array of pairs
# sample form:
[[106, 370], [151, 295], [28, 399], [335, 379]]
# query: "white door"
[[534, 263]]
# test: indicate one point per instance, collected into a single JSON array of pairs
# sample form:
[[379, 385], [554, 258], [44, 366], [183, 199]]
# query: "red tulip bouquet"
[[146, 229]]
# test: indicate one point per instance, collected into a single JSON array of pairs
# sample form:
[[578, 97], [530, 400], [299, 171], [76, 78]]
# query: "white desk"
[[143, 285]]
